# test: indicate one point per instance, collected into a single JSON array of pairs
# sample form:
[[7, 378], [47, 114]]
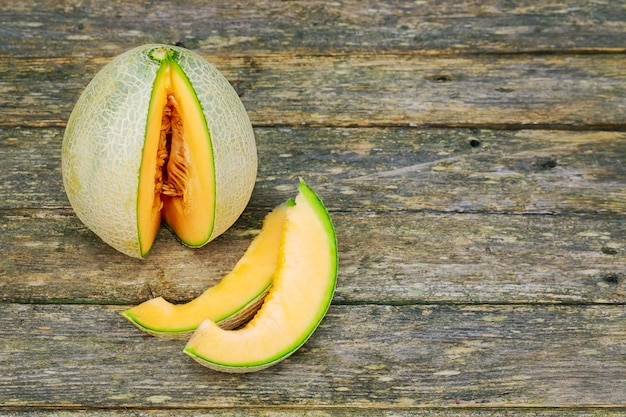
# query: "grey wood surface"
[[365, 356], [471, 155], [570, 90]]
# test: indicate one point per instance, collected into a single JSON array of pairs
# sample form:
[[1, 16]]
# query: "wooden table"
[[471, 154]]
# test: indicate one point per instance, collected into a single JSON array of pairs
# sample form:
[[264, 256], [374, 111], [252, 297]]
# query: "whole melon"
[[158, 135]]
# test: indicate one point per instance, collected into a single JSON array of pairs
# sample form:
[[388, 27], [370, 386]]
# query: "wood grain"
[[311, 411], [239, 28], [422, 216], [428, 355], [396, 258], [403, 169], [512, 91]]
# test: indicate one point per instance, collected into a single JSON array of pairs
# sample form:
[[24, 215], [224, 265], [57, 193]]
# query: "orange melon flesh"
[[191, 218], [300, 295], [242, 287]]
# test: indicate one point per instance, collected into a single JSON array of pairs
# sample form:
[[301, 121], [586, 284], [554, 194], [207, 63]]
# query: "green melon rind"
[[104, 138], [234, 318], [322, 214], [229, 321]]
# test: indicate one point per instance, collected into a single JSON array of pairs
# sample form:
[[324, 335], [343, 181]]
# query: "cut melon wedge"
[[230, 303], [177, 177], [300, 295]]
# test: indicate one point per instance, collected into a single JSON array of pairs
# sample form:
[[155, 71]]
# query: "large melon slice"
[[158, 134], [300, 295], [230, 303]]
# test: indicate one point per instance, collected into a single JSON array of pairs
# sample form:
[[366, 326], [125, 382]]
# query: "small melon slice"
[[300, 295], [158, 135], [231, 302]]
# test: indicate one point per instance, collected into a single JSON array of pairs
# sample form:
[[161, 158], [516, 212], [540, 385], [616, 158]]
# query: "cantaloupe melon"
[[158, 134], [300, 295], [231, 302]]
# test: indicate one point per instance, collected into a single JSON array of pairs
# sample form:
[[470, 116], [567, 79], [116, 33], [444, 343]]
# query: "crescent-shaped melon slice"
[[231, 302], [300, 295]]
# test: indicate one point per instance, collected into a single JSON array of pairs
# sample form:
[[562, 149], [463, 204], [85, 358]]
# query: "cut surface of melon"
[[300, 295], [229, 303], [177, 174]]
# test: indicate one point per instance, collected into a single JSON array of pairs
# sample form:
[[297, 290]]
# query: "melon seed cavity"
[[172, 173]]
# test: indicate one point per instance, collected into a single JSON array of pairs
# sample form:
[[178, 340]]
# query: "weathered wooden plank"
[[337, 410], [460, 170], [385, 257], [311, 27], [481, 269], [361, 356], [564, 91]]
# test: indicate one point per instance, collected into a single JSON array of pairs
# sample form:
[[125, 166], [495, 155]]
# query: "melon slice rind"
[[300, 296], [231, 302]]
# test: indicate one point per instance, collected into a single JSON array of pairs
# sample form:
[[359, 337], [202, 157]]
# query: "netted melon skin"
[[105, 135]]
